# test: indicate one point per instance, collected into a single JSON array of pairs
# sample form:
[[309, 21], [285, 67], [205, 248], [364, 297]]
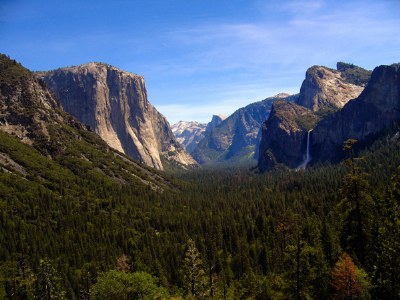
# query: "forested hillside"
[[222, 234], [79, 220]]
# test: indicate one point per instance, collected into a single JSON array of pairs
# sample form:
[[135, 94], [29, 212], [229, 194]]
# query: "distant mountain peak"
[[189, 133], [281, 95], [235, 138], [219, 116]]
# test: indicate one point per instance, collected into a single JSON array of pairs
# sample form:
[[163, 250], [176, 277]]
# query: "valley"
[[99, 199]]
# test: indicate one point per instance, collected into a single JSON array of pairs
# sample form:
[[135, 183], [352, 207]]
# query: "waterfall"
[[307, 159]]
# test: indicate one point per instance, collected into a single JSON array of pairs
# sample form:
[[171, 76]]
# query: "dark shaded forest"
[[330, 232]]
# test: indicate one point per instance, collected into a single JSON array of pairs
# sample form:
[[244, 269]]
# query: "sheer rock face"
[[216, 120], [327, 89], [362, 119], [189, 134], [236, 138], [284, 135], [114, 104], [323, 92]]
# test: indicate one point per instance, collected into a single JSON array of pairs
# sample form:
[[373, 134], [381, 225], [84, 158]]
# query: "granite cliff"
[[284, 135], [328, 90], [323, 92], [41, 142], [363, 119], [216, 120], [235, 139], [114, 104]]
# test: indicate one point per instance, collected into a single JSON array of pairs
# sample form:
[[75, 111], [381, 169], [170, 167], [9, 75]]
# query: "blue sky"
[[203, 57]]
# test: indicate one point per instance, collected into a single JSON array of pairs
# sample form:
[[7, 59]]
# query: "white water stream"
[[307, 159]]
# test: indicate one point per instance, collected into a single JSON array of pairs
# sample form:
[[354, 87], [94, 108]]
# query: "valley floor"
[[228, 234]]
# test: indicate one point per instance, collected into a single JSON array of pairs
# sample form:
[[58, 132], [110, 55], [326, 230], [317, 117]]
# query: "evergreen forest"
[[70, 231]]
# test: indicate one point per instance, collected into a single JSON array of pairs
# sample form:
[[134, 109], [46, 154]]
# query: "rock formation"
[[189, 134], [27, 107], [284, 135], [376, 109], [216, 120], [327, 90], [323, 92], [114, 104], [236, 138], [31, 112]]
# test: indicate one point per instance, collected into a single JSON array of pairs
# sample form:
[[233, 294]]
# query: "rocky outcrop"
[[377, 108], [216, 120], [284, 135], [31, 112], [323, 92], [114, 104], [327, 90], [189, 134], [27, 107], [236, 138]]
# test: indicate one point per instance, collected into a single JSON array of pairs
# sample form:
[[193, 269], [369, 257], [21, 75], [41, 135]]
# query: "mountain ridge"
[[30, 114], [236, 139], [377, 108], [189, 133], [373, 110]]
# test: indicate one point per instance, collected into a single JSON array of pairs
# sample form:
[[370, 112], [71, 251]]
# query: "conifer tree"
[[386, 275], [357, 200], [48, 282], [193, 272]]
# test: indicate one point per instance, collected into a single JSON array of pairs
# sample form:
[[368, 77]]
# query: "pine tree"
[[357, 201], [386, 275], [193, 273], [48, 282]]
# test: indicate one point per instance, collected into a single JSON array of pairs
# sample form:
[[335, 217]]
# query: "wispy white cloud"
[[206, 66], [298, 39], [274, 53]]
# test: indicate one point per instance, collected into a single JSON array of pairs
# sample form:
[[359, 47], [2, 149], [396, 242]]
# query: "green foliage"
[[386, 258], [354, 74], [307, 121], [2, 289], [11, 72], [120, 285], [48, 282], [357, 204], [193, 273], [17, 279], [82, 210]]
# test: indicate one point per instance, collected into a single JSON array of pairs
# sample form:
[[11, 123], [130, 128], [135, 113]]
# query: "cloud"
[[289, 38], [218, 65], [271, 54]]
